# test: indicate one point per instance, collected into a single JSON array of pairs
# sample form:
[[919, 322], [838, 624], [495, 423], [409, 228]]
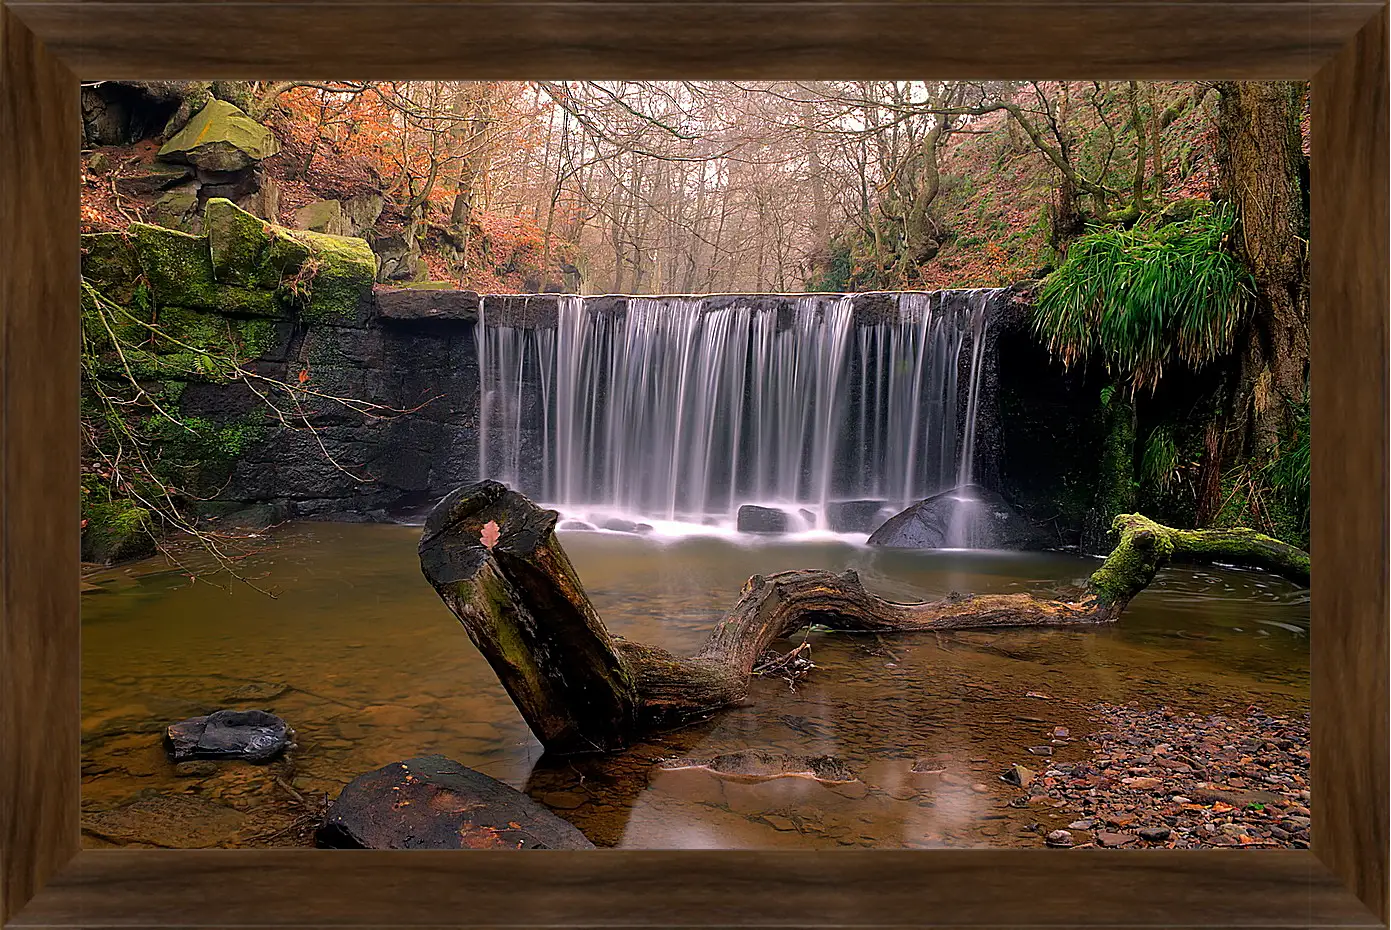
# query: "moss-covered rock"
[[1180, 211], [325, 216], [177, 209], [116, 531], [179, 344], [285, 256], [325, 277], [237, 242], [221, 138], [109, 264], [177, 265], [339, 274]]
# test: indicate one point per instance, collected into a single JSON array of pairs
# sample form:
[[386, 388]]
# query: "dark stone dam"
[[639, 408]]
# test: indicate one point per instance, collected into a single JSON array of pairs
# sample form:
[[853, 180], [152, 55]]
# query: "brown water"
[[363, 660]]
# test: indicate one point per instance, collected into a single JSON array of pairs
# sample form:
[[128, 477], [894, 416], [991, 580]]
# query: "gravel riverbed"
[[1162, 779]]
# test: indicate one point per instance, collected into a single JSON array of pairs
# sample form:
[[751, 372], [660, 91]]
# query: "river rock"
[[1018, 775], [760, 765], [968, 517], [855, 516], [245, 735], [755, 519], [430, 802]]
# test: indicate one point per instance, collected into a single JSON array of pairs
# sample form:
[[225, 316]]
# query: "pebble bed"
[[1162, 779]]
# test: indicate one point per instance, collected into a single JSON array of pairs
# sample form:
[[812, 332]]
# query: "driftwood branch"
[[583, 689]]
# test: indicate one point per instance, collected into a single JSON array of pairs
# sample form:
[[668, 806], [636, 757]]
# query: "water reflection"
[[360, 656]]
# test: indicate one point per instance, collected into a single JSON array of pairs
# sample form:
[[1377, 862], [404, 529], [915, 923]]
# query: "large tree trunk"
[[582, 689], [1259, 157]]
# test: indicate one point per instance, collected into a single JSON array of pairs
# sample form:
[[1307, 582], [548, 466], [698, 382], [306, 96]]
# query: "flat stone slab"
[[410, 303], [431, 802], [760, 765], [243, 735]]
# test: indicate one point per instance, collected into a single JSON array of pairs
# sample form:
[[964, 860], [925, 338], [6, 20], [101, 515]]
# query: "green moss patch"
[[178, 266], [237, 242], [109, 262], [116, 531], [220, 137], [339, 271]]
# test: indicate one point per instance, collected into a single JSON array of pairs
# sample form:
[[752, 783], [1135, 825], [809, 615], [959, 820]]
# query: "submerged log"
[[582, 689]]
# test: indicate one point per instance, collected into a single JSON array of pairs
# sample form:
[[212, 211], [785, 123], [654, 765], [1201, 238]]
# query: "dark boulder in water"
[[755, 519], [232, 735], [855, 516], [431, 802], [967, 517]]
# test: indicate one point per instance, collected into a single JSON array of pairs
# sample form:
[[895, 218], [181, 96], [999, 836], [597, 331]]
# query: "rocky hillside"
[[159, 152]]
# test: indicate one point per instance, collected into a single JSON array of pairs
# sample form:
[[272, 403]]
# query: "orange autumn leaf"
[[490, 534], [303, 375]]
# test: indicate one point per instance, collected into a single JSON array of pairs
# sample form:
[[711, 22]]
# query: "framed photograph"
[[820, 464]]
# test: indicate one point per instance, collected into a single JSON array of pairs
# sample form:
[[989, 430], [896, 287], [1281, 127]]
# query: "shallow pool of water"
[[360, 656]]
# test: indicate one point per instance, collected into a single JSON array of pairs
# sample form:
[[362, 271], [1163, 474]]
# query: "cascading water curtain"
[[514, 422], [684, 408]]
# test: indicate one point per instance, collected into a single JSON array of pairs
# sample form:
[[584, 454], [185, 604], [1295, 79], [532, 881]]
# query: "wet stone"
[[430, 802], [1059, 839], [250, 736], [760, 765], [1114, 839]]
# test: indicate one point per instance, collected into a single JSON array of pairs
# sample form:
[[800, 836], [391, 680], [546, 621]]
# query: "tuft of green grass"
[[1143, 298]]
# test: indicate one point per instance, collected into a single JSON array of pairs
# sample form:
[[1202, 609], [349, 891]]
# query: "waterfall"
[[684, 408]]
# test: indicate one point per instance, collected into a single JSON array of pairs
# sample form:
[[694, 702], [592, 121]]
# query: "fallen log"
[[493, 557]]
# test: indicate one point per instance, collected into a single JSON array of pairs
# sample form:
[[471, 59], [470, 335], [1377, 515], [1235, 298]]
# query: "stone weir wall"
[[305, 307]]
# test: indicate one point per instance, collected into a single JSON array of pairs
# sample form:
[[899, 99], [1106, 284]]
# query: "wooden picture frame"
[[46, 46]]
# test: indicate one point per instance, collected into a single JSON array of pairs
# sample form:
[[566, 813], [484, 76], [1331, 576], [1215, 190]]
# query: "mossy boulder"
[[325, 277], [362, 212], [237, 242], [110, 265], [1181, 211], [338, 275], [325, 216], [177, 265], [116, 531], [221, 138]]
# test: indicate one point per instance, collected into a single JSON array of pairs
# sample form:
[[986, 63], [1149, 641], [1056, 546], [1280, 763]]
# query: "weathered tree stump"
[[582, 689]]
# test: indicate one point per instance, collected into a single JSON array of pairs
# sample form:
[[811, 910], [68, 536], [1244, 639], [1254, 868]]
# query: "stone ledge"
[[408, 303]]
